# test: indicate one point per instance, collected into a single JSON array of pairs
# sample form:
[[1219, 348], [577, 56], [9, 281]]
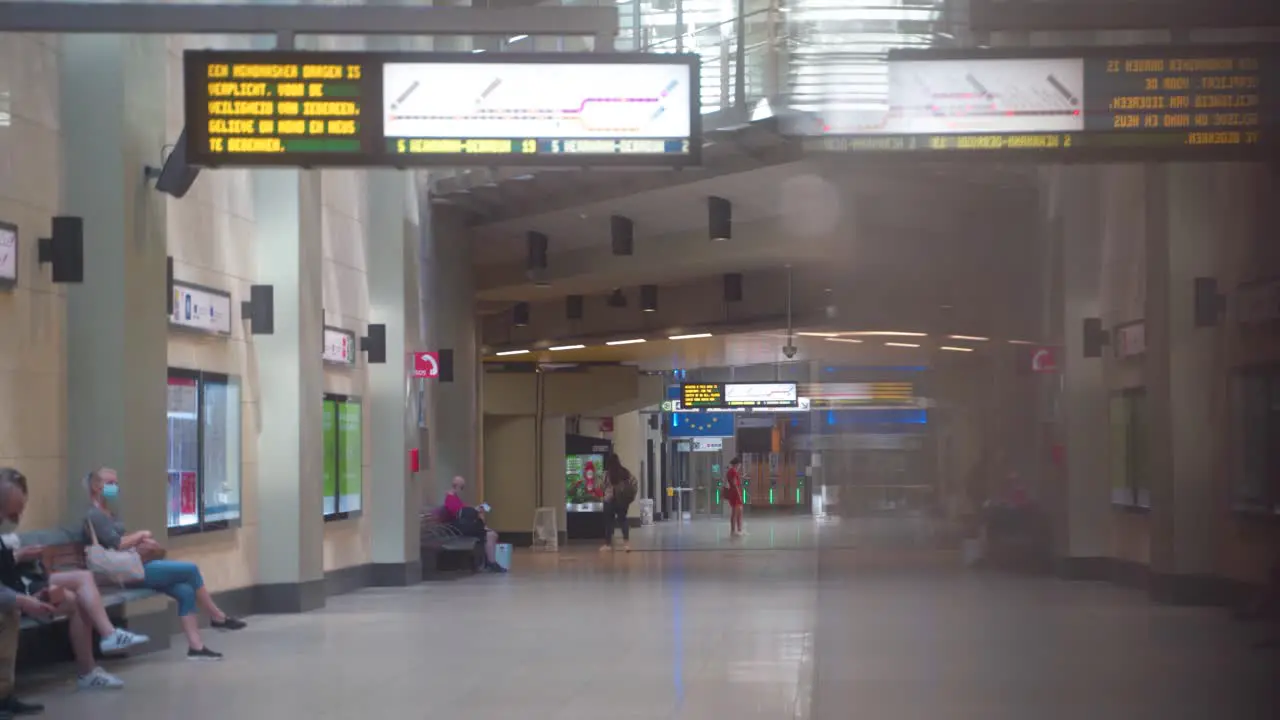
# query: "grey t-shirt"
[[108, 529]]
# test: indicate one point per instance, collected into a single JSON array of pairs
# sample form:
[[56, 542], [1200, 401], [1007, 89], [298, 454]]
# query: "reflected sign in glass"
[[1107, 103], [200, 308], [317, 109]]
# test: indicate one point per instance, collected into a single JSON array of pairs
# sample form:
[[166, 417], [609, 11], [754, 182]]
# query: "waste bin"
[[502, 555], [646, 511]]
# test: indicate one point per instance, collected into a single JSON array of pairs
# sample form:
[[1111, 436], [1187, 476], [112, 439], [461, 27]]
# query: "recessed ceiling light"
[[970, 338], [689, 337], [819, 334], [888, 344], [625, 342], [844, 340], [889, 333], [505, 353], [955, 349], [558, 348]]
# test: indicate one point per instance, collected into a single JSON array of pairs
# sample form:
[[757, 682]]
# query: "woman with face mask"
[[179, 580]]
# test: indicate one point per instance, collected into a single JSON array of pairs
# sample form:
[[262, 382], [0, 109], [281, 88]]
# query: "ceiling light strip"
[[843, 340], [692, 336], [902, 345], [558, 348], [970, 338], [633, 341], [953, 348], [505, 353], [888, 333]]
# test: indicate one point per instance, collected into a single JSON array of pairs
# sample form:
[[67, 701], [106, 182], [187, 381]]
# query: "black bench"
[[444, 550], [46, 641]]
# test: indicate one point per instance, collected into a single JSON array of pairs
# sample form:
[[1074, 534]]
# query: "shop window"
[[1130, 474], [1256, 472], [343, 426], [204, 451]]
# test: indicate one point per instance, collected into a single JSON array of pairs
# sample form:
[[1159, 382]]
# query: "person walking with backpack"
[[620, 491]]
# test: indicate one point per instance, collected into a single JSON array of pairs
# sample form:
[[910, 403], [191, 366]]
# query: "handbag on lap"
[[118, 566]]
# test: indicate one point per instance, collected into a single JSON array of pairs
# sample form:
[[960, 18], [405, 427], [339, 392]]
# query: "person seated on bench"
[[72, 593], [179, 580], [470, 523]]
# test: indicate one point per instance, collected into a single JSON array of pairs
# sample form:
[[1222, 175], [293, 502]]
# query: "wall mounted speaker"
[[65, 250], [733, 287], [1095, 338], [520, 314], [573, 306], [719, 218], [537, 245], [374, 344], [174, 177], [622, 234], [649, 298], [445, 357], [1209, 303], [260, 310], [168, 286]]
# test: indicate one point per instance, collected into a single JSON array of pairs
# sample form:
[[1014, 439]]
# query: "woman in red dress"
[[733, 493]]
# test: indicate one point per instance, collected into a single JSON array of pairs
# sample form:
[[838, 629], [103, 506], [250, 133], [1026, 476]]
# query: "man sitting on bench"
[[469, 523]]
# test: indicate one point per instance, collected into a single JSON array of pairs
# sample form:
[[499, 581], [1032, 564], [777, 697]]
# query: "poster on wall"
[[351, 440], [8, 255], [339, 347], [202, 309], [189, 504]]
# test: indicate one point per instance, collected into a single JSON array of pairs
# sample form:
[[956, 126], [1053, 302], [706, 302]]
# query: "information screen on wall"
[[351, 442], [8, 254], [203, 309], [370, 109], [1161, 102]]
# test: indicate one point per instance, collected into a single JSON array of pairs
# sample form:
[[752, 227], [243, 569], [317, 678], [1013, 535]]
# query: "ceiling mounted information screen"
[[366, 109], [1099, 103]]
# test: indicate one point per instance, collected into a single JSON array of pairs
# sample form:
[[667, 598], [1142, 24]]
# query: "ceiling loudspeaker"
[[1095, 337], [537, 244], [520, 314], [374, 343], [649, 298], [622, 233], [733, 287], [719, 218], [64, 250], [573, 307], [174, 177]]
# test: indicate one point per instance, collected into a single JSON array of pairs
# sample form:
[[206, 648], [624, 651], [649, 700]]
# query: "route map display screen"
[[1154, 102], [370, 109], [713, 396]]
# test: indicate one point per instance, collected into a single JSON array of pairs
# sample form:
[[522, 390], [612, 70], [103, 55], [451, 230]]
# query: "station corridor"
[[806, 626]]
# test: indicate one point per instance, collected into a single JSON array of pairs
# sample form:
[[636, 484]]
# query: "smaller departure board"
[[257, 108], [701, 395]]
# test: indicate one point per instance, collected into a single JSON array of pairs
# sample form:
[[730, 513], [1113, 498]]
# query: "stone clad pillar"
[[290, 380]]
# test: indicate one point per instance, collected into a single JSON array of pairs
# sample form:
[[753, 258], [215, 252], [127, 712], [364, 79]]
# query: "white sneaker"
[[121, 640], [99, 679]]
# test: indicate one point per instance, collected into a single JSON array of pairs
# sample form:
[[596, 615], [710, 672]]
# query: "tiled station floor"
[[798, 620]]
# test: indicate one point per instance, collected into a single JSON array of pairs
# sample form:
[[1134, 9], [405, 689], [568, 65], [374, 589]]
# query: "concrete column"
[[116, 324], [1194, 214], [1075, 203], [291, 376], [395, 492], [451, 318]]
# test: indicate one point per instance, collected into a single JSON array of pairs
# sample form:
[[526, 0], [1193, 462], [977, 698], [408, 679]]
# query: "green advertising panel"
[[351, 454], [330, 425]]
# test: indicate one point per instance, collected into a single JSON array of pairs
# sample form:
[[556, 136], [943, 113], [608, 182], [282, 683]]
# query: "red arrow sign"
[[426, 364]]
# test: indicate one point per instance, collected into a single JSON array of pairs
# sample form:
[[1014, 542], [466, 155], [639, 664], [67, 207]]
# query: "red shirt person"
[[733, 495]]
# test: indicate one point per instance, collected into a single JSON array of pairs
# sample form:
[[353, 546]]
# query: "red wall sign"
[[1044, 360], [426, 364]]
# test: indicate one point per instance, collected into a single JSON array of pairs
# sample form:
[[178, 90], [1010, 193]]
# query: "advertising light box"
[[201, 309]]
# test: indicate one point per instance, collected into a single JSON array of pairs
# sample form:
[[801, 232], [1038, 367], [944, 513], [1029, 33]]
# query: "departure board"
[[1145, 102], [719, 396], [370, 109]]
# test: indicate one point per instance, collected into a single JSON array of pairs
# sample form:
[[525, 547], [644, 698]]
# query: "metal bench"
[[443, 549], [64, 550]]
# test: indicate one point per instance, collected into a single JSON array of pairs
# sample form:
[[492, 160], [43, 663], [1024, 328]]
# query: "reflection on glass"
[[351, 443], [221, 451]]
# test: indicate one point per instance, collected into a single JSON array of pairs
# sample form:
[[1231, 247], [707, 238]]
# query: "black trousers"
[[616, 514]]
